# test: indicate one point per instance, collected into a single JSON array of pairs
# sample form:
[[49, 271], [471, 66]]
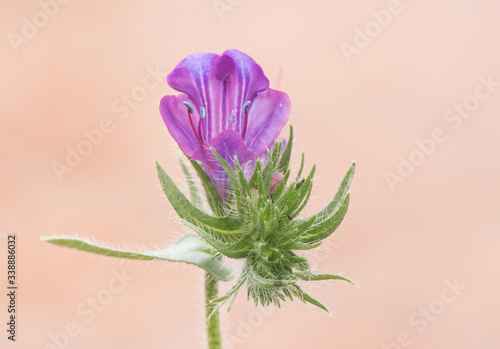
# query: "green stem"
[[213, 329]]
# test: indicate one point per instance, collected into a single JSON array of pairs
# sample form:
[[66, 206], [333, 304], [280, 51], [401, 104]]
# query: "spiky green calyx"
[[260, 223]]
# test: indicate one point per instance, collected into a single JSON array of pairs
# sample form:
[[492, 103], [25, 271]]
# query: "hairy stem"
[[213, 329]]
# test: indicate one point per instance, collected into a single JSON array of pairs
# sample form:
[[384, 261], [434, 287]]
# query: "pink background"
[[439, 224]]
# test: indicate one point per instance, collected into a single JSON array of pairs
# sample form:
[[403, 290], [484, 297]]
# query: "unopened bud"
[[275, 181]]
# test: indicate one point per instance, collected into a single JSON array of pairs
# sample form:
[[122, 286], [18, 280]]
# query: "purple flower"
[[226, 104]]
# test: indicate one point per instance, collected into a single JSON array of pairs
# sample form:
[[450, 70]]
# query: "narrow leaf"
[[238, 249], [188, 249], [256, 172], [191, 214], [302, 161], [297, 246], [285, 157], [340, 195], [307, 276], [233, 176], [213, 198], [307, 298], [323, 229], [193, 190]]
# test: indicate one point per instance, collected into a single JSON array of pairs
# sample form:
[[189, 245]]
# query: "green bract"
[[262, 228]]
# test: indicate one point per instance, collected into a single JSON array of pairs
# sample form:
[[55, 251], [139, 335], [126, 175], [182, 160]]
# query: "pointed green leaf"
[[245, 188], [307, 298], [293, 258], [268, 172], [238, 249], [264, 283], [282, 202], [300, 197], [191, 214], [302, 161], [340, 195], [324, 228], [233, 176], [287, 153], [213, 198], [272, 164], [193, 190], [304, 224], [188, 249], [304, 199], [237, 186], [256, 173], [308, 276], [299, 246], [261, 189], [281, 186], [218, 302]]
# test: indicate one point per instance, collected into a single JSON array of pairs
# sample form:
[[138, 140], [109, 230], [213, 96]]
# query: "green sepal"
[[189, 213], [188, 249], [307, 298], [238, 249], [245, 188], [213, 198], [340, 195], [292, 258], [257, 171], [301, 168], [299, 246], [287, 153], [281, 186], [233, 176], [265, 283], [322, 229], [300, 195], [308, 276], [305, 224], [193, 190], [237, 187]]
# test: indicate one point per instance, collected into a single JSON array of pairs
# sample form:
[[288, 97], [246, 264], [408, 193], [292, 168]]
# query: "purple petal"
[[221, 84], [195, 72], [243, 84], [267, 116], [203, 77], [228, 144], [175, 116]]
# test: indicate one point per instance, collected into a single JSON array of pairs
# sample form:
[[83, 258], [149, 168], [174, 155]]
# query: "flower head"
[[225, 104]]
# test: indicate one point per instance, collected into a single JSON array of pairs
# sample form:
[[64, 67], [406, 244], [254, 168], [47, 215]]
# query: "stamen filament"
[[245, 113], [197, 134]]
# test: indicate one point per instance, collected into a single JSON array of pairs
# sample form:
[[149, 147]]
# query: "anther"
[[189, 106], [203, 113], [190, 111], [245, 107]]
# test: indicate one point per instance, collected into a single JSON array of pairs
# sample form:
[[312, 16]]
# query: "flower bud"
[[275, 181]]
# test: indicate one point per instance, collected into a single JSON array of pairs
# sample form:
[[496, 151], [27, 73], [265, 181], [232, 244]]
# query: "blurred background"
[[410, 90]]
